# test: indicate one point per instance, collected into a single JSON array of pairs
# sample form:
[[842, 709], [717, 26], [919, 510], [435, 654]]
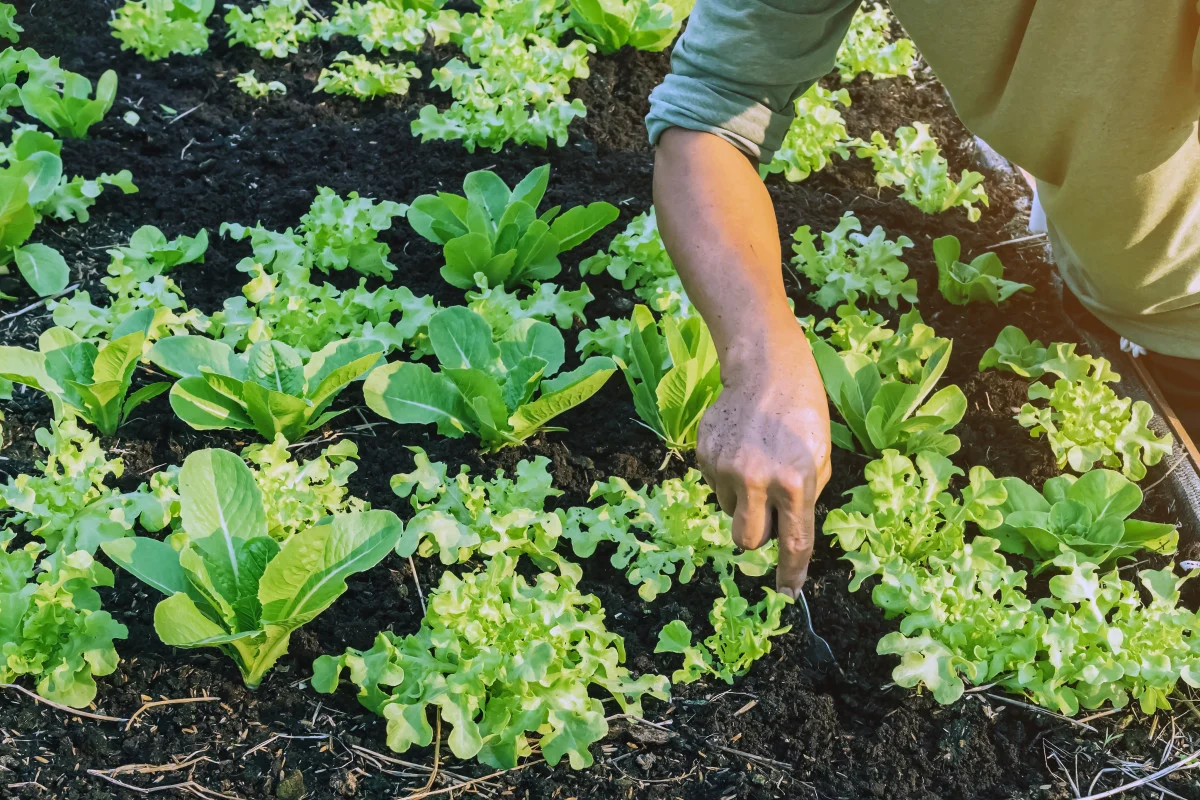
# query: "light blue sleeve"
[[740, 65]]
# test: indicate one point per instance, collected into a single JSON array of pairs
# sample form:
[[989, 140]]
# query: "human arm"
[[764, 445]]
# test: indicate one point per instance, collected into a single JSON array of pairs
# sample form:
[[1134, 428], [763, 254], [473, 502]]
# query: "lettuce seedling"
[[82, 378], [281, 301], [299, 494], [981, 280], [671, 368], [882, 411], [851, 265], [154, 29], [270, 389], [493, 236], [9, 29], [358, 76], [387, 25], [461, 516], [638, 259], [679, 529], [498, 658], [641, 24], [343, 233], [514, 85], [63, 99], [486, 387], [1087, 516], [1015, 353], [917, 167], [228, 583], [901, 353], [741, 635], [817, 133], [137, 280], [1086, 422], [272, 28], [52, 628], [610, 337], [68, 505], [869, 47], [258, 89]]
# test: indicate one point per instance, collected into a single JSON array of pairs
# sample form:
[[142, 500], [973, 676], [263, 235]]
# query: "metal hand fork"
[[819, 652]]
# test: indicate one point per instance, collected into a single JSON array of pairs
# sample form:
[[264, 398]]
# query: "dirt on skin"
[[784, 730]]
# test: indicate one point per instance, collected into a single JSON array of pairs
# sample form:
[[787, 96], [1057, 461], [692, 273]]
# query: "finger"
[[752, 520], [727, 496], [797, 531]]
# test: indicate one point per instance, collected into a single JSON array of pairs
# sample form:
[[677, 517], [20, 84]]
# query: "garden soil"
[[785, 730]]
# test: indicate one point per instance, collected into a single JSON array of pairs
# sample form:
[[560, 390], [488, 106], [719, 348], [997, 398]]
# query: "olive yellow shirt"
[[1098, 99]]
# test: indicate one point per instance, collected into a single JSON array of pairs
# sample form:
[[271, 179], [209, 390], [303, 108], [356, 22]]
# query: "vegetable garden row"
[[350, 418]]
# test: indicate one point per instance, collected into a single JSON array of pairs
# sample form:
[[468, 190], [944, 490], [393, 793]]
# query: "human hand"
[[764, 448]]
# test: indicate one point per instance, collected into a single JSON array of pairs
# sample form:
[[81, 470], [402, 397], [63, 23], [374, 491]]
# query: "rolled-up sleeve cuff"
[[692, 104]]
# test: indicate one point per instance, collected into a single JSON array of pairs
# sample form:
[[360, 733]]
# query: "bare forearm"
[[718, 223]]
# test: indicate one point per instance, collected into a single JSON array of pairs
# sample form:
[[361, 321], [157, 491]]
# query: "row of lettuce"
[[246, 549]]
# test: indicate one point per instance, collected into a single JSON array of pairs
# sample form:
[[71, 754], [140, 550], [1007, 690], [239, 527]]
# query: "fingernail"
[[788, 592]]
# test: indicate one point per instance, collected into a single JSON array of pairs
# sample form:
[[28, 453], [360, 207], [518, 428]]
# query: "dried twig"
[[32, 306], [770, 762], [53, 704], [468, 783], [276, 737], [191, 787], [1183, 763], [176, 701], [184, 114], [153, 769], [1040, 710], [412, 565], [1020, 239]]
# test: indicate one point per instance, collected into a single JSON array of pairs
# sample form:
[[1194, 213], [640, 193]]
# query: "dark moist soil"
[[225, 157]]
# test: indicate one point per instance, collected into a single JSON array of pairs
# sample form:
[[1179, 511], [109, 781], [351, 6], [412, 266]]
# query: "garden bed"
[[784, 730]]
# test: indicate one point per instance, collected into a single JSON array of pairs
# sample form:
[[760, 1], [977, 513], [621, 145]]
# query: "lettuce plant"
[[513, 87], [458, 517], [981, 280], [610, 337], [1086, 422], [638, 259], [1086, 515], [850, 265], [63, 100], [9, 29], [641, 24], [343, 233], [1015, 353], [272, 27], [493, 236], [33, 186], [486, 387], [741, 635], [899, 353], [270, 389], [138, 280], [680, 531], [547, 302], [671, 368], [358, 76], [69, 506], [52, 628], [883, 411], [817, 133], [281, 302], [258, 89], [228, 584], [916, 166], [498, 658], [388, 25], [965, 615], [82, 378], [298, 495], [869, 47], [154, 29]]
